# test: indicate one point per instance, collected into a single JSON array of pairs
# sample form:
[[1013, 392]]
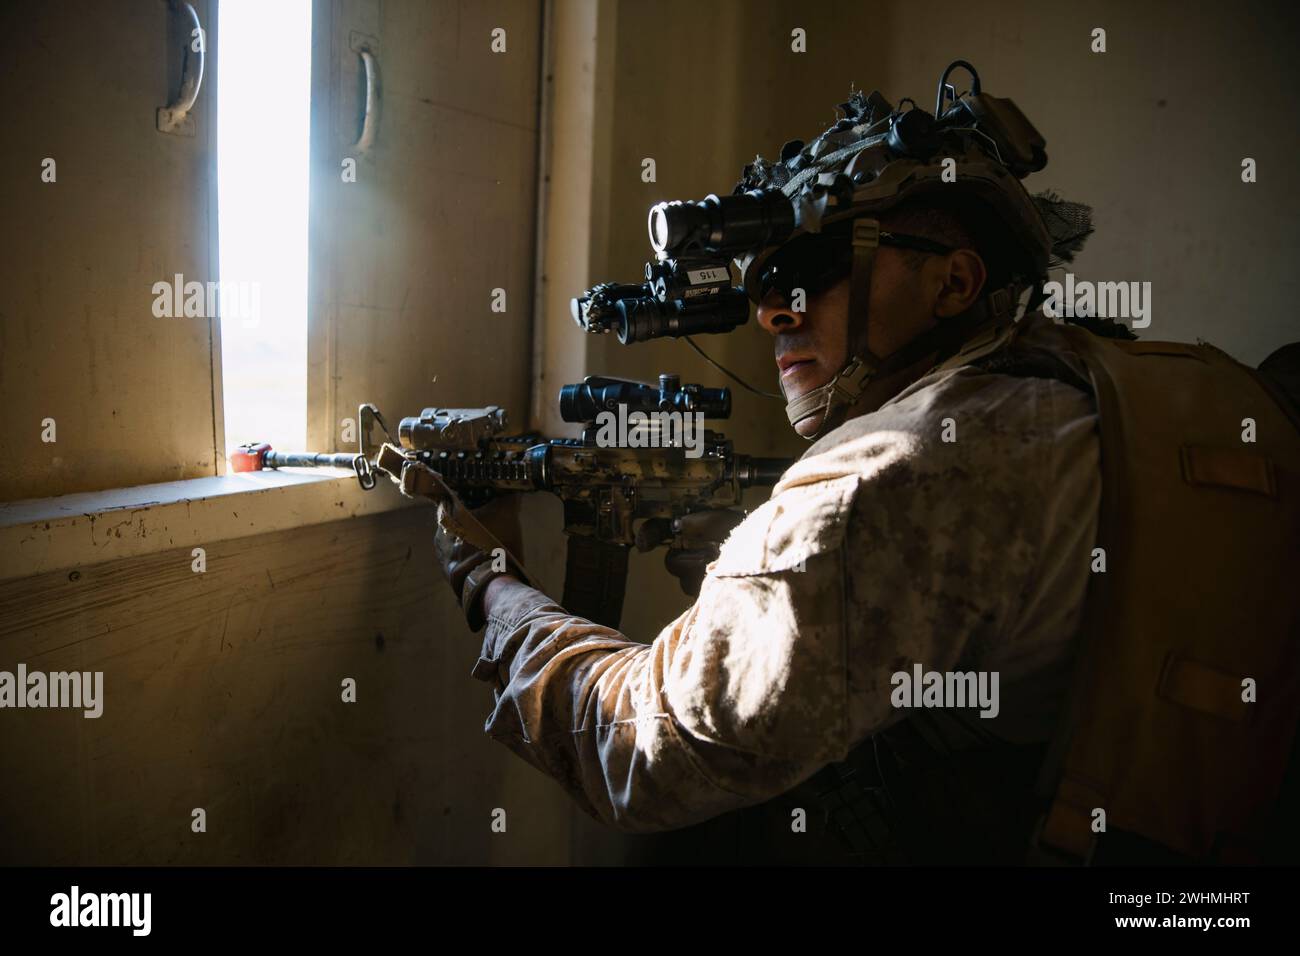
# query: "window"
[[263, 102]]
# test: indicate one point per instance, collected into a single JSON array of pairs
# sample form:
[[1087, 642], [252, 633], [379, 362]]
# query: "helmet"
[[969, 156]]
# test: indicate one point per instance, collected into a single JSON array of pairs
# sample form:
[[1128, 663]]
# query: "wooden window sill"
[[49, 534]]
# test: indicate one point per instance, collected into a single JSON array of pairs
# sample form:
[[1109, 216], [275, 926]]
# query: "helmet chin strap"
[[863, 366], [847, 386]]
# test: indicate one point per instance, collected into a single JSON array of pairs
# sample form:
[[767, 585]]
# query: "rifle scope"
[[581, 403]]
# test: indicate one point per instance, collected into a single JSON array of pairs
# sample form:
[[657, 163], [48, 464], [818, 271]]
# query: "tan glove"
[[469, 553], [468, 567]]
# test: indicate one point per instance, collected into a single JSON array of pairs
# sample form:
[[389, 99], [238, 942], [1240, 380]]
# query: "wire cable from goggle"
[[730, 374]]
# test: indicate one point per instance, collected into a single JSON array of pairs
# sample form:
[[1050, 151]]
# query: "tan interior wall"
[[1152, 133], [130, 393], [404, 261], [223, 690]]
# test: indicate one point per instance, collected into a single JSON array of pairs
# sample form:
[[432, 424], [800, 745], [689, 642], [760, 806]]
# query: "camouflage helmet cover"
[[877, 157]]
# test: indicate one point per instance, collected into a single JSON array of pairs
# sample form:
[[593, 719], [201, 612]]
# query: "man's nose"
[[776, 316]]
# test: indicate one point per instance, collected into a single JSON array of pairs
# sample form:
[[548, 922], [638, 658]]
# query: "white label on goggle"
[[700, 276]]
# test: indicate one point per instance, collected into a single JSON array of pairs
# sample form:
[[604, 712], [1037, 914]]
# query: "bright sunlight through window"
[[263, 97]]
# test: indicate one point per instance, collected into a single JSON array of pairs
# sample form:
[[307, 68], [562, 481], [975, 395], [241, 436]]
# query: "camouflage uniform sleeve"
[[883, 547], [736, 701]]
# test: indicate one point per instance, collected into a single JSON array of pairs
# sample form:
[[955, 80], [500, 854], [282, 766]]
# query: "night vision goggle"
[[846, 173], [688, 288]]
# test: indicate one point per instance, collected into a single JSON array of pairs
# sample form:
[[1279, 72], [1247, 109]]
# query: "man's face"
[[812, 346]]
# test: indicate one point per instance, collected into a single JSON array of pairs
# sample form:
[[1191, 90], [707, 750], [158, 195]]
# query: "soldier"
[[971, 620]]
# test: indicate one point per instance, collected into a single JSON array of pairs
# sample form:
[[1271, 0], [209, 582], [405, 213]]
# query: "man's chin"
[[803, 382], [807, 427]]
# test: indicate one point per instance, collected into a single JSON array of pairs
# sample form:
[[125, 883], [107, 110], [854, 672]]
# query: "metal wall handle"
[[174, 117], [370, 121]]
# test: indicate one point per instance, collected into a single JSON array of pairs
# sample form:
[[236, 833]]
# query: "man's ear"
[[962, 276]]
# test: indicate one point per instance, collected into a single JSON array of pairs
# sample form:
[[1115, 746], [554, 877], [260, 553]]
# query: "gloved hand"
[[471, 550], [696, 540], [468, 551]]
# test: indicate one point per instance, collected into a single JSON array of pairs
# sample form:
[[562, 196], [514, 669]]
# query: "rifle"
[[637, 469]]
